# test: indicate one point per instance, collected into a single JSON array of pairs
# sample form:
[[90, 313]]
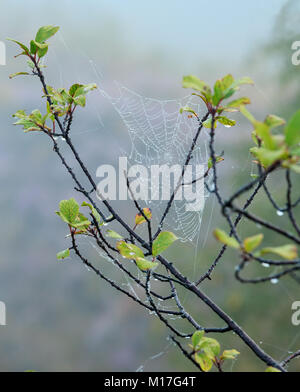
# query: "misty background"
[[60, 316]]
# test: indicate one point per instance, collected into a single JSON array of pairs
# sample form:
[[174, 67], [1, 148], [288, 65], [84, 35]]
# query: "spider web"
[[160, 135], [141, 123]]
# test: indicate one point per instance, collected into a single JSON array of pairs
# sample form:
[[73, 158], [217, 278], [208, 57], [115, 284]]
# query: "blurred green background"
[[60, 317]]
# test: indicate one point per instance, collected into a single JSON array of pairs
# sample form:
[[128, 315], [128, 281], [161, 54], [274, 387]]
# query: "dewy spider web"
[[160, 135], [124, 105]]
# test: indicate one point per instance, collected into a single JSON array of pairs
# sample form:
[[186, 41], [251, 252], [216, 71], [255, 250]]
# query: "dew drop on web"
[[274, 281]]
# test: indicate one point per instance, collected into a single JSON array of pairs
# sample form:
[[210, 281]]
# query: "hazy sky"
[[218, 26], [214, 27]]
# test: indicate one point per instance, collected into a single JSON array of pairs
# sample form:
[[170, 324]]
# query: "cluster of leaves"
[[133, 252], [271, 148], [288, 252], [79, 224], [32, 122], [206, 352], [214, 99], [37, 48], [65, 101], [69, 213], [62, 102]]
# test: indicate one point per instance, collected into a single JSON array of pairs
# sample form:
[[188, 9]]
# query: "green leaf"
[[288, 252], [205, 96], [225, 121], [20, 114], [292, 130], [244, 80], [28, 125], [273, 121], [80, 100], [30, 64], [188, 109], [210, 164], [210, 346], [207, 123], [204, 361], [226, 87], [264, 133], [238, 102], [268, 157], [139, 218], [129, 251], [223, 89], [81, 222], [251, 243], [221, 119], [223, 237], [218, 92], [33, 122], [196, 338], [45, 33], [227, 82], [247, 114], [93, 211], [78, 92], [63, 254], [113, 234], [162, 242], [193, 82], [42, 51], [33, 47], [271, 369], [145, 265], [73, 89], [69, 210], [254, 137], [17, 74], [22, 46], [36, 116], [84, 89], [229, 354]]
